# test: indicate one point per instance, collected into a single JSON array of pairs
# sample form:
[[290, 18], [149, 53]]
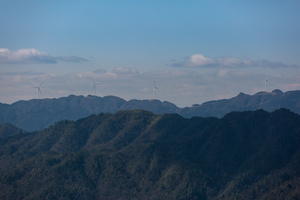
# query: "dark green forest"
[[141, 155]]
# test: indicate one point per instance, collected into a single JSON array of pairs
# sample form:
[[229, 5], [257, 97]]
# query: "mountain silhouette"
[[40, 113], [268, 101]]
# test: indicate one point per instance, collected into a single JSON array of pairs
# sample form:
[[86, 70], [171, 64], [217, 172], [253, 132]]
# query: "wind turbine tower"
[[154, 90], [266, 82], [39, 92], [94, 87]]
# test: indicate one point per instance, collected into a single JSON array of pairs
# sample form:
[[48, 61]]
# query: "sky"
[[193, 51]]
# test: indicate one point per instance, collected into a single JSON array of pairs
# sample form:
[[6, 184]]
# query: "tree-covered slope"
[[140, 155]]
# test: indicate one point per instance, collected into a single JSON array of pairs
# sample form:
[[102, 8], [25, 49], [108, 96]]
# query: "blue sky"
[[194, 50]]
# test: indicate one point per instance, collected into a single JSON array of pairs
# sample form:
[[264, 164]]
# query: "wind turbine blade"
[[39, 90], [154, 85]]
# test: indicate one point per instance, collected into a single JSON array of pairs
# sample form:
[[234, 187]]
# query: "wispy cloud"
[[125, 70], [33, 56], [199, 60], [22, 73], [74, 59], [99, 71]]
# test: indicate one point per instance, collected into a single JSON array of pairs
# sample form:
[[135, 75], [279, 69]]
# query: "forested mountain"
[[7, 129], [268, 101], [140, 155], [40, 113]]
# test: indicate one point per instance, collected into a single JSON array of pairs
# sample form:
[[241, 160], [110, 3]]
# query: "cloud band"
[[199, 60], [31, 56]]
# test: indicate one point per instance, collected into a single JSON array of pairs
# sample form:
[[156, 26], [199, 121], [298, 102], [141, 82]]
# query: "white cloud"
[[32, 56], [25, 56], [199, 60], [3, 50], [196, 60]]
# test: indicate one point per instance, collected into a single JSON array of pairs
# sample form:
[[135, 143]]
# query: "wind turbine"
[[154, 90], [94, 87], [266, 82], [39, 89]]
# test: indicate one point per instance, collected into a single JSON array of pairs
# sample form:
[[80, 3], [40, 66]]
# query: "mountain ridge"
[[37, 114]]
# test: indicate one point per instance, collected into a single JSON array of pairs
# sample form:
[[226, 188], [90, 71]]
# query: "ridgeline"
[[37, 114]]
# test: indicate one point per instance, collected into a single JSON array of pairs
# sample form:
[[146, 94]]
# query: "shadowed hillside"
[[140, 155]]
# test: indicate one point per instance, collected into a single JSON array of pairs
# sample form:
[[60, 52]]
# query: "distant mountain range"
[[268, 101], [40, 113], [140, 155]]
